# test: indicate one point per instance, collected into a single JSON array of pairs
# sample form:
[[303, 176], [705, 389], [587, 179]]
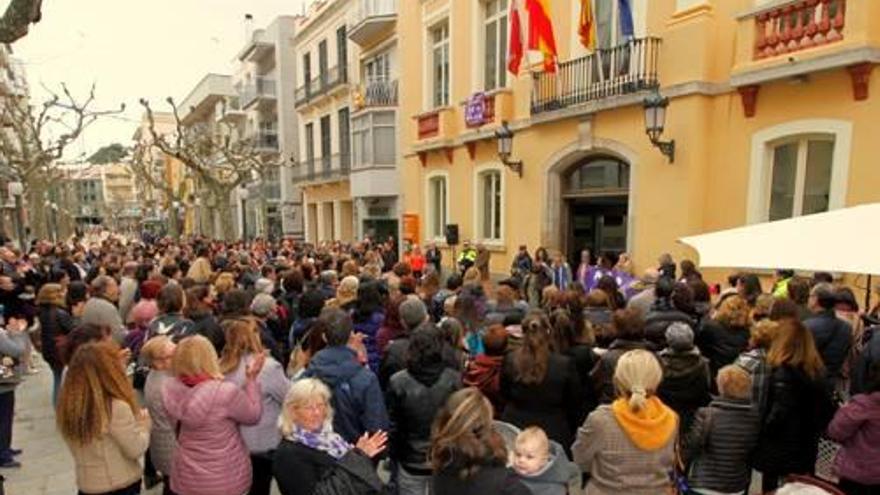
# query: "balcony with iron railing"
[[230, 110], [372, 21], [376, 93], [261, 89], [324, 83], [324, 169], [793, 38], [606, 73], [266, 140]]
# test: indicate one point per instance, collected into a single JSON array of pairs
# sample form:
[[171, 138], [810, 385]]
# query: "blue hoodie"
[[358, 403]]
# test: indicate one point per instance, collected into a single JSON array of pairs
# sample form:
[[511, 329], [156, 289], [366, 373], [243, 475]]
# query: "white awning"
[[845, 240]]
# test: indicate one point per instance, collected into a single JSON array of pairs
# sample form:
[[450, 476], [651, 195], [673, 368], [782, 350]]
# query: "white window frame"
[[499, 18], [430, 235], [381, 58], [762, 159], [802, 141], [432, 47], [479, 173]]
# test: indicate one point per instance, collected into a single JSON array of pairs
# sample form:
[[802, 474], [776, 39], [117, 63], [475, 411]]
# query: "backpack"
[[354, 474], [346, 407]]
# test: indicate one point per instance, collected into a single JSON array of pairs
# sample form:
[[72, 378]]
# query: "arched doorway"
[[595, 192]]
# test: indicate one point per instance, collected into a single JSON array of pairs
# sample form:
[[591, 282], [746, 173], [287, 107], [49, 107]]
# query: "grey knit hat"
[[680, 337], [412, 312]]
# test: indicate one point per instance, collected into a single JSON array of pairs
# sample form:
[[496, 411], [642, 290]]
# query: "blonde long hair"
[[196, 356], [637, 377], [95, 377], [242, 338]]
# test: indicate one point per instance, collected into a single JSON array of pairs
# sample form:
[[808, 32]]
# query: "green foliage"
[[113, 153]]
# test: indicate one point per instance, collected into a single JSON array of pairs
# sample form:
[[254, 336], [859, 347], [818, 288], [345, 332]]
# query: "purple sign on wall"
[[475, 110]]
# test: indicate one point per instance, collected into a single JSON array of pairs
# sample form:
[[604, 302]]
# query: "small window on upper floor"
[[800, 176], [494, 44], [439, 36]]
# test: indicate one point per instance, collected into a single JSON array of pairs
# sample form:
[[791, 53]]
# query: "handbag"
[[678, 475]]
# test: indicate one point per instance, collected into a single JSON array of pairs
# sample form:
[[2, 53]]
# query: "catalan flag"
[[587, 25], [541, 36], [515, 46]]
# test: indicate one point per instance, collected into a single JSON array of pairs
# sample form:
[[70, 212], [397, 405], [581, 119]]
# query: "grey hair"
[[304, 391], [100, 283]]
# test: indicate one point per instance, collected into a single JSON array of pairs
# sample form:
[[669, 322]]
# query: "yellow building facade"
[[772, 108]]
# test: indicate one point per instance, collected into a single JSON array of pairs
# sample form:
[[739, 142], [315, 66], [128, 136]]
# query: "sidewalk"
[[46, 464], [47, 467]]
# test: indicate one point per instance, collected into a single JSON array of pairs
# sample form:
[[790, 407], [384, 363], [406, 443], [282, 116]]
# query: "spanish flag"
[[587, 26], [541, 32]]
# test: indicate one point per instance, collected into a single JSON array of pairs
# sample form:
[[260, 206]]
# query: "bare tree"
[[17, 19], [142, 162], [34, 139], [221, 157]]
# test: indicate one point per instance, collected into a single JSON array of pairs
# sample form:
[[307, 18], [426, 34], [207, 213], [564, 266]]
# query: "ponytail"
[[530, 360]]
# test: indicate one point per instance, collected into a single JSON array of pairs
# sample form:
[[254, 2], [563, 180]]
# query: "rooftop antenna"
[[248, 27]]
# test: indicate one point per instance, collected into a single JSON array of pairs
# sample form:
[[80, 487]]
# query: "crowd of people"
[[216, 368]]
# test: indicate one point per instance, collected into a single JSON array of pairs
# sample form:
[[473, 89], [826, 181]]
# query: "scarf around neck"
[[326, 440], [193, 380]]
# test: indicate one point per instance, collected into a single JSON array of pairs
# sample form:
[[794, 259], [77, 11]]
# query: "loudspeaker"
[[452, 234]]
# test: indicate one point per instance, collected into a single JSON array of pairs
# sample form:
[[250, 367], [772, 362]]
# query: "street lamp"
[[198, 203], [53, 207], [505, 148], [16, 190], [243, 195], [655, 120]]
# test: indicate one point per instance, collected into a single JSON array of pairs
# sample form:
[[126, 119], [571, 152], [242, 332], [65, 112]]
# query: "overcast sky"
[[134, 49]]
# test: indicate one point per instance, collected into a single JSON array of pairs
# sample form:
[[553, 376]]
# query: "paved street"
[[47, 467]]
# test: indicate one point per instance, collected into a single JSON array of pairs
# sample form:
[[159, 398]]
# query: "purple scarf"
[[325, 440]]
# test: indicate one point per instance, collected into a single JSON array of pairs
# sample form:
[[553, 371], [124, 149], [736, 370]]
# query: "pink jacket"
[[211, 458], [857, 427]]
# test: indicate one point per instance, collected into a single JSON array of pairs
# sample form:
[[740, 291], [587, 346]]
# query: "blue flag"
[[626, 19]]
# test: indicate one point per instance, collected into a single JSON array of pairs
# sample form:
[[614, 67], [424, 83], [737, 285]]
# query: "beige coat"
[[112, 461], [614, 462]]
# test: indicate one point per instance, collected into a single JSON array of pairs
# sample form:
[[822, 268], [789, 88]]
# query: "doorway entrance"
[[596, 194]]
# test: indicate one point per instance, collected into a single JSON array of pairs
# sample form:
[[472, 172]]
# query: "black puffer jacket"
[[413, 399], [719, 446], [685, 385], [798, 410], [658, 319], [833, 338], [721, 344], [55, 323]]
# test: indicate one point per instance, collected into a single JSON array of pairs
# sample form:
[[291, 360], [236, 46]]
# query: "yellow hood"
[[651, 428]]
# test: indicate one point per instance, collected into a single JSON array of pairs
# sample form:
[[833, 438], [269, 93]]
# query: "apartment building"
[[375, 178], [323, 105], [265, 82], [13, 86], [770, 107]]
